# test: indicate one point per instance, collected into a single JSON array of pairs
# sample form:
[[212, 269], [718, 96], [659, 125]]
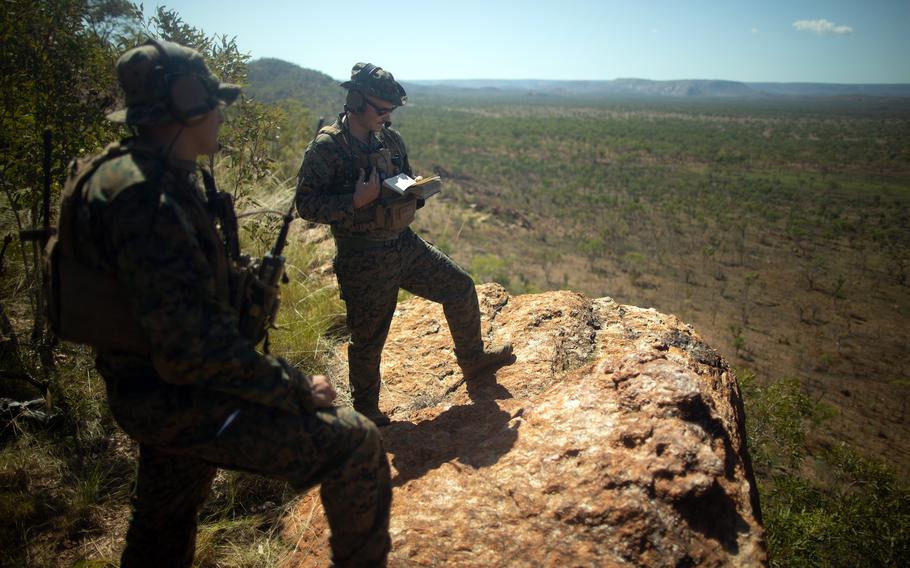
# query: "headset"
[[356, 100], [189, 96]]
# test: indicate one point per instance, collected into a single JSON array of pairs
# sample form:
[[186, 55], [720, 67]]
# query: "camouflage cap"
[[376, 82], [165, 82]]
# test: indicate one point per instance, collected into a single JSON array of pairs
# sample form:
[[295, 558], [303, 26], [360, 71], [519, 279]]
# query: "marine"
[[339, 184], [139, 236]]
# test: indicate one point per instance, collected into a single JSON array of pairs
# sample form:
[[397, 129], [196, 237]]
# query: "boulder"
[[616, 439]]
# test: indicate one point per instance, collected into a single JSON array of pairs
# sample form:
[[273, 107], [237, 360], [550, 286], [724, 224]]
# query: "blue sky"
[[830, 41]]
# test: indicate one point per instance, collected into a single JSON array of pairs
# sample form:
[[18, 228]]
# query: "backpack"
[[85, 304]]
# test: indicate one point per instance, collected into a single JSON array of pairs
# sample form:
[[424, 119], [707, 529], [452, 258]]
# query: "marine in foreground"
[[163, 298]]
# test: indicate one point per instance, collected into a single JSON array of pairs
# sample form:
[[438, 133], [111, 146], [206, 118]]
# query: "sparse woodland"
[[779, 228]]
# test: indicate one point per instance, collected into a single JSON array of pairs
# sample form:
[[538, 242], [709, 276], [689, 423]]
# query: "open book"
[[404, 185]]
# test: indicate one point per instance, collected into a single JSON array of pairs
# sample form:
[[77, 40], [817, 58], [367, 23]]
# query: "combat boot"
[[371, 411], [489, 358]]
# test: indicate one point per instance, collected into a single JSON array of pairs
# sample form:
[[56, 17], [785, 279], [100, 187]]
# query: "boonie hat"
[[376, 82], [166, 82]]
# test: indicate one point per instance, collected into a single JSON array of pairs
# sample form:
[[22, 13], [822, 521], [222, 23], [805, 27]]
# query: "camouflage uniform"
[[203, 397], [373, 261]]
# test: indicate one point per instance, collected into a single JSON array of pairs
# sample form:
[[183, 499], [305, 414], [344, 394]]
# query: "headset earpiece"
[[355, 101], [188, 97]]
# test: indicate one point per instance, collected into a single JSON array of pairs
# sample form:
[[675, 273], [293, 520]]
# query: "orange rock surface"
[[615, 439]]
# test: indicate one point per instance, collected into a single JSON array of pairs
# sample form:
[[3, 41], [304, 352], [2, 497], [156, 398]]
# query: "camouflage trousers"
[[369, 281], [185, 433]]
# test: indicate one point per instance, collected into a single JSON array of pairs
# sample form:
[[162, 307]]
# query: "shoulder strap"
[[391, 139], [330, 129], [71, 199], [336, 134], [72, 196]]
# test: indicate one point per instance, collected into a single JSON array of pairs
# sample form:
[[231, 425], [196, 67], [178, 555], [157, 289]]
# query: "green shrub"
[[832, 507]]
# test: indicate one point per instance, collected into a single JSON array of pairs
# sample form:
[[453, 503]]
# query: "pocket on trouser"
[[345, 267]]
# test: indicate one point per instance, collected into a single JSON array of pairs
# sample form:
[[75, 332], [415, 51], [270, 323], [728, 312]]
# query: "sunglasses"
[[379, 110]]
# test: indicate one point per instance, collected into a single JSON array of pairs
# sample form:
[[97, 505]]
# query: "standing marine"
[[142, 272], [339, 184]]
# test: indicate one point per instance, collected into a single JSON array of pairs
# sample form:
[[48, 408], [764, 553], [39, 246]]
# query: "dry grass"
[[64, 492]]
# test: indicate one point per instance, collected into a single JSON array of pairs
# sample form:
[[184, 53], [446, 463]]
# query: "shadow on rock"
[[484, 387], [476, 435], [714, 515]]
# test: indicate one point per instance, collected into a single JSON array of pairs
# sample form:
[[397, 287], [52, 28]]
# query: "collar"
[[375, 139], [187, 166]]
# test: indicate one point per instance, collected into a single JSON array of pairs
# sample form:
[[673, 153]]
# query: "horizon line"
[[808, 82], [907, 84]]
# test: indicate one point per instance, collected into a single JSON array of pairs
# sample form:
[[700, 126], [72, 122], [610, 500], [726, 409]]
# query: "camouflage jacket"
[[145, 219], [330, 168]]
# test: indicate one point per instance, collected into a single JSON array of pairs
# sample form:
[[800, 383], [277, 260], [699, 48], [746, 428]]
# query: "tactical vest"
[[391, 213], [87, 302]]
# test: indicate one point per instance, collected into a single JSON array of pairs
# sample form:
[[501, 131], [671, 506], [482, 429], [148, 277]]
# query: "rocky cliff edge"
[[615, 439]]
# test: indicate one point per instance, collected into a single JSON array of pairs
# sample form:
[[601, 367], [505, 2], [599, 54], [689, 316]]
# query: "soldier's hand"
[[366, 189], [322, 391]]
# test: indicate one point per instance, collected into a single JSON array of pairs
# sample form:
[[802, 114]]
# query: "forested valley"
[[778, 227]]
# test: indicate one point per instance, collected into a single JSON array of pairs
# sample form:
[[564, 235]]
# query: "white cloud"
[[754, 30], [821, 27]]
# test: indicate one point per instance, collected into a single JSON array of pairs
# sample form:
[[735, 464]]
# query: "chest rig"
[[388, 213]]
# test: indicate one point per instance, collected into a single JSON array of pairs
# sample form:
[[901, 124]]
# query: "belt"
[[363, 243]]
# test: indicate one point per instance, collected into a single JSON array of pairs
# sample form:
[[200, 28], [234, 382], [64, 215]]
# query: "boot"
[[371, 411], [489, 358]]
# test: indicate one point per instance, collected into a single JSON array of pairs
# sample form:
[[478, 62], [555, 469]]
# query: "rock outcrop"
[[616, 439]]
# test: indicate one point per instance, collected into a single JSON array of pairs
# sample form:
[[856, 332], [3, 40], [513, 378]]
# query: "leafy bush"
[[64, 484], [831, 507], [490, 268]]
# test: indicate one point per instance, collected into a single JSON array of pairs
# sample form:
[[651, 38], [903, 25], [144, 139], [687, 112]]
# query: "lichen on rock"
[[615, 439]]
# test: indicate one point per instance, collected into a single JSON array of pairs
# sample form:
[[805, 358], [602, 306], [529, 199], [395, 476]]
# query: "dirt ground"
[[845, 343]]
